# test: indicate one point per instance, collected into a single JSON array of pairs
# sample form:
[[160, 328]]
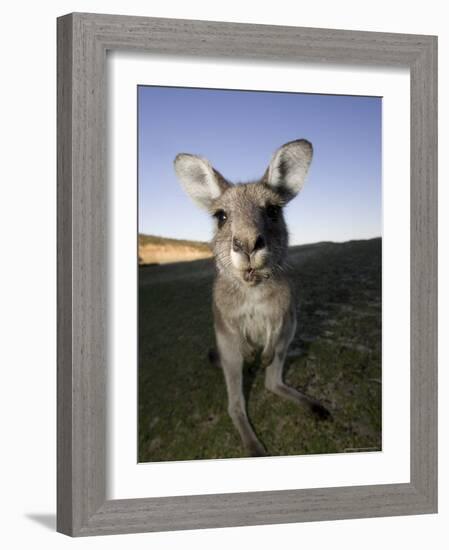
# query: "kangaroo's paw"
[[320, 411], [214, 358], [256, 449]]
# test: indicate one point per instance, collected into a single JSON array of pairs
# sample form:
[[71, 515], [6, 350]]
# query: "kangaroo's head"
[[250, 241]]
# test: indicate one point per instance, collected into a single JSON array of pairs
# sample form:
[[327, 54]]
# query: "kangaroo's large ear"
[[288, 168], [199, 179]]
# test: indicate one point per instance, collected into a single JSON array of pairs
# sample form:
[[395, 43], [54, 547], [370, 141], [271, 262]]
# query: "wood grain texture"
[[424, 251], [83, 40], [64, 277]]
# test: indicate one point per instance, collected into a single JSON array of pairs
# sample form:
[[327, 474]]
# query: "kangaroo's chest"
[[257, 321], [253, 317]]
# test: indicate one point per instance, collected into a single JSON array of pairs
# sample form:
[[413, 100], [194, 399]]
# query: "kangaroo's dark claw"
[[320, 411]]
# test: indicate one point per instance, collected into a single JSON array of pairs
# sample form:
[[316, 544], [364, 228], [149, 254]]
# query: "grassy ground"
[[335, 357]]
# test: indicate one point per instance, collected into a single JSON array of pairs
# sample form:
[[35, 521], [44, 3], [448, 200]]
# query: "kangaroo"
[[253, 303]]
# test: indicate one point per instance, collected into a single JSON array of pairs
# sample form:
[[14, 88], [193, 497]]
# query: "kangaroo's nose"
[[237, 245], [248, 246]]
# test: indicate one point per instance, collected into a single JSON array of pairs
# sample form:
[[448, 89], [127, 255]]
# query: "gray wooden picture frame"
[[83, 40]]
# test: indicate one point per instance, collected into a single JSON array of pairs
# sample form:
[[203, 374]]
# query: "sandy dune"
[[164, 251]]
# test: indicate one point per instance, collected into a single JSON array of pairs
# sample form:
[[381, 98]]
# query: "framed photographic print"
[[246, 274]]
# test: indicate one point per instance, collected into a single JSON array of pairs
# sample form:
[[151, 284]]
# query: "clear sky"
[[238, 131]]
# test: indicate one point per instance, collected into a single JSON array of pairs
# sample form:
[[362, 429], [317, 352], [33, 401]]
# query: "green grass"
[[335, 357]]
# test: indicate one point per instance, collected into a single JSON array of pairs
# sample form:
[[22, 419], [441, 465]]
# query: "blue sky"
[[238, 131]]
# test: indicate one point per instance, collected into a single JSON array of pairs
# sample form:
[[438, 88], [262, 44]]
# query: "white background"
[[27, 299]]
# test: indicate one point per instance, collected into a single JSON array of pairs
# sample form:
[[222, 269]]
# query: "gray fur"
[[253, 302]]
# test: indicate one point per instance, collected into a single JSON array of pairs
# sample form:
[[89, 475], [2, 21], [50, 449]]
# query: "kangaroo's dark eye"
[[273, 211], [221, 217]]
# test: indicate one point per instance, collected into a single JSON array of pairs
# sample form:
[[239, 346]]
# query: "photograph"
[[259, 252]]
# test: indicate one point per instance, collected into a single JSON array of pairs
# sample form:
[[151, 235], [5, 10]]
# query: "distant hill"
[[161, 250]]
